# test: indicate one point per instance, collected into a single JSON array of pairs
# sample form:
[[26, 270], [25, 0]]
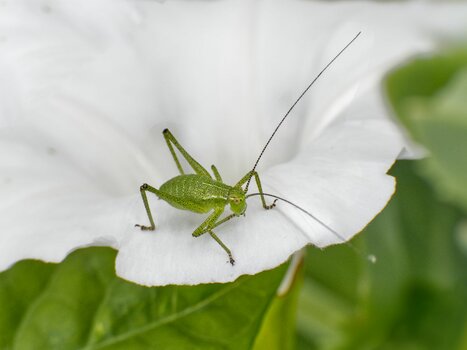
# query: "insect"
[[203, 193]]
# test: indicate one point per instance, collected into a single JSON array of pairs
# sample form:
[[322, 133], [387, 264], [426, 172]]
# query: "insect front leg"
[[172, 141], [209, 224], [143, 189], [244, 179]]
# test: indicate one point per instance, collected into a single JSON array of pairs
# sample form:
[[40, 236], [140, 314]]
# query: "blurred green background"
[[413, 297]]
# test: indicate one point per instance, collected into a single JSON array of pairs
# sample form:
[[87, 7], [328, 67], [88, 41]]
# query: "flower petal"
[[341, 180]]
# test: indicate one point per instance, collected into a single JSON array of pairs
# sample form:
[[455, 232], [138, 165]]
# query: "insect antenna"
[[294, 104], [370, 257]]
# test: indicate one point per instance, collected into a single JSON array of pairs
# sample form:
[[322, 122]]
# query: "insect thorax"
[[196, 193]]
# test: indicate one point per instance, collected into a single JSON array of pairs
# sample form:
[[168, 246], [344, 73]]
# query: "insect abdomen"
[[196, 193]]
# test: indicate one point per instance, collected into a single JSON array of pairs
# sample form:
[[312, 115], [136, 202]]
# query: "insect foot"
[[145, 228], [231, 260], [272, 205]]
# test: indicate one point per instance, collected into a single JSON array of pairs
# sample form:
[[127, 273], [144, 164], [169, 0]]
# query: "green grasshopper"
[[202, 193]]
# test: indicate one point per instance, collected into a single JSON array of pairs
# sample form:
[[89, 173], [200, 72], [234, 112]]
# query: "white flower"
[[87, 87]]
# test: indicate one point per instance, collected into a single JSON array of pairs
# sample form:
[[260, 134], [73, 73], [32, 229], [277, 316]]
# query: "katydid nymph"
[[203, 193]]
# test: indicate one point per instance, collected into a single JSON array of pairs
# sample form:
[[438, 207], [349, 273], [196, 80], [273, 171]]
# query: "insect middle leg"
[[244, 179], [217, 176]]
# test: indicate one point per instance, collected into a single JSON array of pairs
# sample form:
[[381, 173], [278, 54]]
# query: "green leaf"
[[81, 304], [17, 289], [417, 296], [429, 96], [413, 297], [328, 296], [278, 329]]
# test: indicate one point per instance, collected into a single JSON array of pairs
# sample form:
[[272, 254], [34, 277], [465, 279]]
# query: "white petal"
[[340, 179], [49, 206]]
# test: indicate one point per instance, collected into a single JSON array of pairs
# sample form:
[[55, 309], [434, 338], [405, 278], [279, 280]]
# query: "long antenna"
[[294, 104], [370, 257], [301, 209]]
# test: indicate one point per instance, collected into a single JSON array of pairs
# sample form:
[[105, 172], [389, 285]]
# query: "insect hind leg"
[[143, 189], [172, 141]]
